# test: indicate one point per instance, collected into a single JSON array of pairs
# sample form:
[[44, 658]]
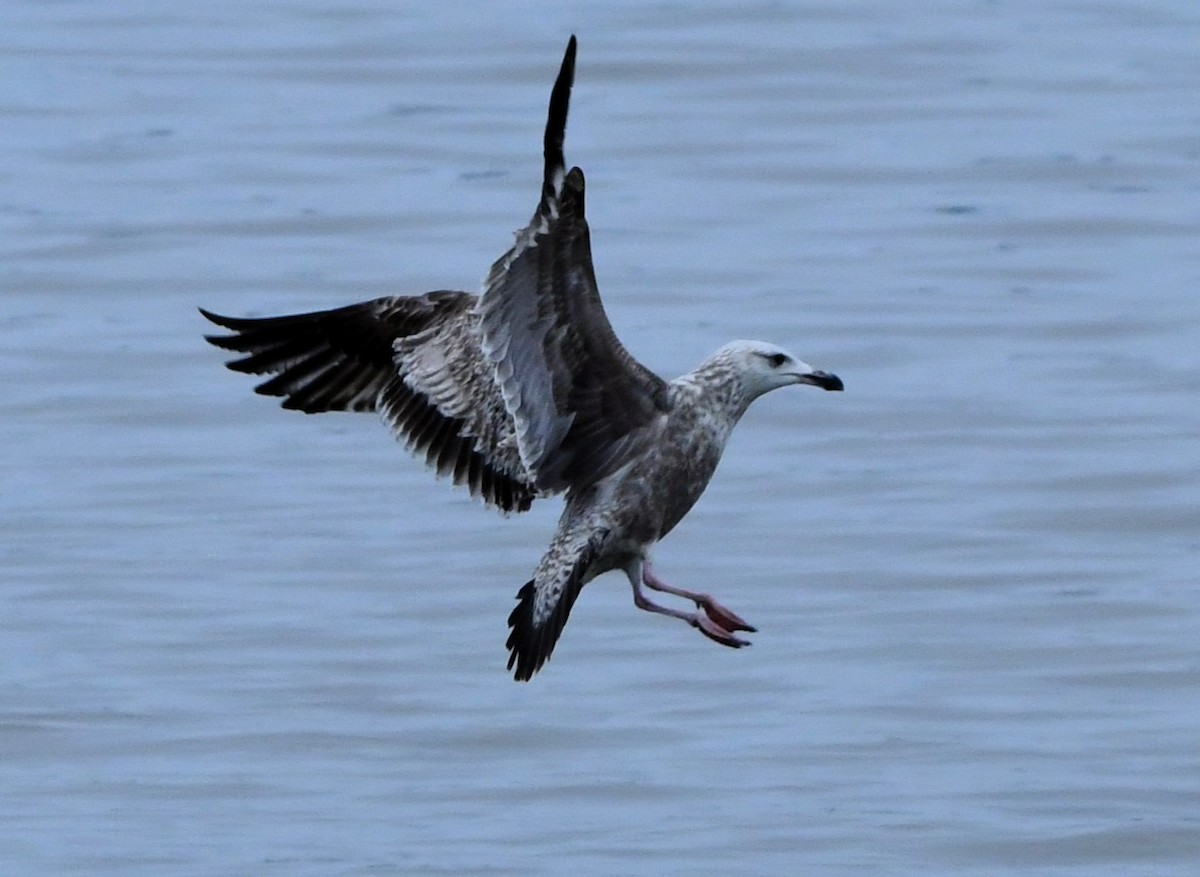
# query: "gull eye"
[[777, 359]]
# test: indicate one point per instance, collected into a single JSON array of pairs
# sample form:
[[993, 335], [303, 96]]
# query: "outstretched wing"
[[578, 400], [335, 360], [415, 360]]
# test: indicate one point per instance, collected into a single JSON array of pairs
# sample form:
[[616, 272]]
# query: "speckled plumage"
[[526, 391]]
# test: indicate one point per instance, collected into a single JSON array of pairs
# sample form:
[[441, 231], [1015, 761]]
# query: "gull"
[[524, 392]]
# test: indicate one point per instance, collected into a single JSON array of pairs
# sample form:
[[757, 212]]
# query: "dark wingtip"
[[556, 119], [235, 324], [568, 63], [214, 318], [225, 342]]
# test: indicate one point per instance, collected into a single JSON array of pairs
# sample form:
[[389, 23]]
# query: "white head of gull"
[[525, 391]]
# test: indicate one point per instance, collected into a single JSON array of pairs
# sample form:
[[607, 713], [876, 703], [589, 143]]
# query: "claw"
[[725, 618], [716, 633]]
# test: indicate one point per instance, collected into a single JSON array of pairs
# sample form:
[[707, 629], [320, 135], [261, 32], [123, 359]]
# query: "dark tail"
[[538, 619]]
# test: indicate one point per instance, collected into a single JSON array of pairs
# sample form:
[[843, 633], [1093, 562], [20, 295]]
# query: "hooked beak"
[[824, 380]]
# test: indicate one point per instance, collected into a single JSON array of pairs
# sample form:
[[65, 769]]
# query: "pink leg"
[[725, 618], [709, 623]]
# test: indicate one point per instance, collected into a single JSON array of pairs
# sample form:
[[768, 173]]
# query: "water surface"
[[238, 640]]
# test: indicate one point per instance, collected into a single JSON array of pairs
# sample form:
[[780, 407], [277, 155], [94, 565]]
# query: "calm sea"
[[236, 640]]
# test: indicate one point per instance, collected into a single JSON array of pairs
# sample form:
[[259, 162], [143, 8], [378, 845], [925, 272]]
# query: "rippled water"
[[238, 640]]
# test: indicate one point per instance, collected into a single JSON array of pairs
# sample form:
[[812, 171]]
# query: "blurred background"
[[235, 639]]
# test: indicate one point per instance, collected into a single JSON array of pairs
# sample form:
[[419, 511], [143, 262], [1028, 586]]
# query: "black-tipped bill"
[[824, 380]]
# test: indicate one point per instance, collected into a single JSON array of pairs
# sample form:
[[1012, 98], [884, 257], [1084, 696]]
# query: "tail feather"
[[545, 601]]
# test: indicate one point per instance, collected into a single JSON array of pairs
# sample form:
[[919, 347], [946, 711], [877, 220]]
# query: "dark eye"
[[777, 359]]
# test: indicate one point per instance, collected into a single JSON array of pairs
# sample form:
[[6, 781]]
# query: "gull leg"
[[705, 623], [725, 618]]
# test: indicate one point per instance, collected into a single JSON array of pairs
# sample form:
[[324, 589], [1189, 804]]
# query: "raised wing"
[[415, 360], [578, 400]]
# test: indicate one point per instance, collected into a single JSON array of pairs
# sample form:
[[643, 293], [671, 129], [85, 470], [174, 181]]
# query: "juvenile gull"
[[525, 392]]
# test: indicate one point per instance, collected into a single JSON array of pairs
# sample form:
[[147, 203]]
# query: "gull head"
[[763, 366]]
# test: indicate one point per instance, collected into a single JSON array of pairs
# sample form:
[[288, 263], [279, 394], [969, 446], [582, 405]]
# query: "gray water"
[[236, 640]]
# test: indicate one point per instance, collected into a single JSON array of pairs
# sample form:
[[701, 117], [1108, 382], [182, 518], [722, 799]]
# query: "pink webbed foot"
[[715, 622], [726, 619], [715, 632]]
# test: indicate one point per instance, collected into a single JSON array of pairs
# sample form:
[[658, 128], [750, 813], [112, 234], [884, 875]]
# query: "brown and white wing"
[[413, 359], [579, 402]]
